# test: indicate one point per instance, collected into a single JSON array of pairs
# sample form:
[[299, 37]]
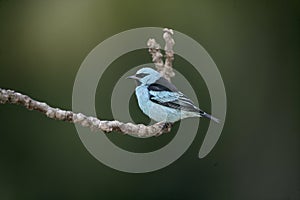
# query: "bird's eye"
[[141, 75]]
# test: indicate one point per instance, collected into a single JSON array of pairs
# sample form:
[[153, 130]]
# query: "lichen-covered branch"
[[139, 130], [157, 57], [168, 68], [165, 68]]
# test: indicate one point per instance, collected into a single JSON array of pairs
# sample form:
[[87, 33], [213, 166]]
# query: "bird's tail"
[[210, 117]]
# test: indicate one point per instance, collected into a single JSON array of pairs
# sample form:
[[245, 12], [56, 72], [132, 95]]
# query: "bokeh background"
[[256, 46]]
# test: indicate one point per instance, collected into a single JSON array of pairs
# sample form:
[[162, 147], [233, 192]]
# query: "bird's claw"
[[167, 126]]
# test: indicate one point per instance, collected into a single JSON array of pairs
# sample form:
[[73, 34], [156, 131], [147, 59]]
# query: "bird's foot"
[[167, 126]]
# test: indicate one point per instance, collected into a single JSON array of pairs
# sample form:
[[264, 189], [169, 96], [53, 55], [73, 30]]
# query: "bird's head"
[[145, 76]]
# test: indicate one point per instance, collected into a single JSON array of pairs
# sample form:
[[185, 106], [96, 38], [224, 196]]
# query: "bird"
[[160, 100]]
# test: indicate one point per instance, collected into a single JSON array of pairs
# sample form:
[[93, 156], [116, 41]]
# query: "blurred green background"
[[256, 46]]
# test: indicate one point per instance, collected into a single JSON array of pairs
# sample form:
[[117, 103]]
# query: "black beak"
[[132, 77]]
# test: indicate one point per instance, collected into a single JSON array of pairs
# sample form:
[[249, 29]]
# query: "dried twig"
[[139, 130]]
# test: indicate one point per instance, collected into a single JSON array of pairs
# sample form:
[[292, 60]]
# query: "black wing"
[[162, 84], [166, 94]]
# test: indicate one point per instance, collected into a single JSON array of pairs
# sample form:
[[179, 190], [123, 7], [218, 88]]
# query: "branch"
[[168, 70], [154, 50], [139, 130], [165, 69]]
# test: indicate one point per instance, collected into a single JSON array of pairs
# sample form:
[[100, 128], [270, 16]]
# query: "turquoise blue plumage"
[[161, 100]]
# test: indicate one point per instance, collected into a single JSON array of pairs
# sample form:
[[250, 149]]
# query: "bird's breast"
[[142, 95]]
